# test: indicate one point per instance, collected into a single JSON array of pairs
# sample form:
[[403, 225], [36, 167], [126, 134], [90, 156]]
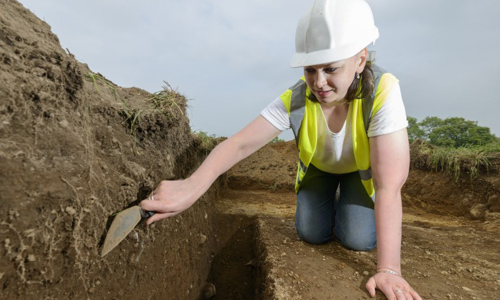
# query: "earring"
[[357, 75]]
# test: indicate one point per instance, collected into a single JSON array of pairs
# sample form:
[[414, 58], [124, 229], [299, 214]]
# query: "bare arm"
[[173, 197], [390, 159], [247, 141]]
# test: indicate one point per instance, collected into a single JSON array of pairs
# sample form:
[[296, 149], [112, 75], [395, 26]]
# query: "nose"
[[319, 80]]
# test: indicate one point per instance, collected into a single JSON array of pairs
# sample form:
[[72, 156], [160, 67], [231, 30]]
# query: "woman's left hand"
[[393, 287]]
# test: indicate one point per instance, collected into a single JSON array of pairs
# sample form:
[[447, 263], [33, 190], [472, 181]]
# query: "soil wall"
[[75, 149]]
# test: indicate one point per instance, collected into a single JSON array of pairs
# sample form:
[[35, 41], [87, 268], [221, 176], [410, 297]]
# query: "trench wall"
[[74, 150]]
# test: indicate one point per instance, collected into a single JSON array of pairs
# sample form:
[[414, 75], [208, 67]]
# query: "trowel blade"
[[122, 225]]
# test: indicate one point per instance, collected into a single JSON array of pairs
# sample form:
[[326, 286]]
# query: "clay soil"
[[75, 149]]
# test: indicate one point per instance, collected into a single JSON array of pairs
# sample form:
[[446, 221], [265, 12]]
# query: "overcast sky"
[[231, 58]]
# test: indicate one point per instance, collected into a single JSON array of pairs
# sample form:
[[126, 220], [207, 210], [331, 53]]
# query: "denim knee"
[[358, 243], [313, 236]]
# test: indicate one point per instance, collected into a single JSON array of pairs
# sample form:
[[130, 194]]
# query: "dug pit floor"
[[261, 256]]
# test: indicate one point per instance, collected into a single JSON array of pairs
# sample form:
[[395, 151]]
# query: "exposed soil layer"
[[75, 149]]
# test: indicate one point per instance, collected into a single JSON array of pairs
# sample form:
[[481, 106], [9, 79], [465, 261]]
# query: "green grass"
[[276, 140], [98, 78], [456, 161], [166, 100]]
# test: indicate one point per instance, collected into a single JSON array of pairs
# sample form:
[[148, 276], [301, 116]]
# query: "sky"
[[231, 58]]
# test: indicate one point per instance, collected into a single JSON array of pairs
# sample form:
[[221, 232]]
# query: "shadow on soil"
[[234, 271]]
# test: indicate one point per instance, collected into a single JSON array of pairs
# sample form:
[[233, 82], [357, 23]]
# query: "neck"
[[335, 104]]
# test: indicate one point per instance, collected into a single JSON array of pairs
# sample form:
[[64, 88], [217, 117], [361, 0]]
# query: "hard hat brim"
[[331, 55]]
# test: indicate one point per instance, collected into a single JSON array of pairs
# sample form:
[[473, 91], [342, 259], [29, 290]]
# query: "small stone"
[[477, 211], [203, 239], [366, 273], [70, 210], [467, 289], [31, 258], [208, 291], [64, 123]]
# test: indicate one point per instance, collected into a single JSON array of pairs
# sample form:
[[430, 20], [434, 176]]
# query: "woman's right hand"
[[170, 198]]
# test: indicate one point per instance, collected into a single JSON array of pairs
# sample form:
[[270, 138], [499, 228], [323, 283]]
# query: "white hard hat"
[[332, 30]]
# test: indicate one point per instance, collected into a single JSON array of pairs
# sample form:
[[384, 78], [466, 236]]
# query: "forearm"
[[221, 159], [251, 138], [388, 221], [390, 164]]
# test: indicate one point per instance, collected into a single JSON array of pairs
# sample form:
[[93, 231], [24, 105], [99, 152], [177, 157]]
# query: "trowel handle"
[[146, 214]]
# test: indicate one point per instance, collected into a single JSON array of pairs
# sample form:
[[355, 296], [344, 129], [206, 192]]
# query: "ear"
[[361, 60]]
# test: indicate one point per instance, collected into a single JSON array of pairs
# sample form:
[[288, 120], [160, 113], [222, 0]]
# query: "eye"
[[330, 70], [309, 70]]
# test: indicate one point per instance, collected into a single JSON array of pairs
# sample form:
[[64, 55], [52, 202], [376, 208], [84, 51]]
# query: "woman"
[[350, 126]]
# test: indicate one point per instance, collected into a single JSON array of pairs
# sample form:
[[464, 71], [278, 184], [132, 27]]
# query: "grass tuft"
[[456, 161], [167, 99]]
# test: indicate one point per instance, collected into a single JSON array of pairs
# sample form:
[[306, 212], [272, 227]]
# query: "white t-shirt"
[[338, 155]]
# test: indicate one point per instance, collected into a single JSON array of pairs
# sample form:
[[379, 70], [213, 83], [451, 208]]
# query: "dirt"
[[75, 149], [450, 246]]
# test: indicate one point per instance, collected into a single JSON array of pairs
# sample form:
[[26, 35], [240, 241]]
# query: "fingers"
[[393, 287], [159, 216], [156, 206], [407, 295], [415, 295], [370, 287], [399, 294]]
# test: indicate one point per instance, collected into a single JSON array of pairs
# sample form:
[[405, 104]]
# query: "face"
[[330, 82]]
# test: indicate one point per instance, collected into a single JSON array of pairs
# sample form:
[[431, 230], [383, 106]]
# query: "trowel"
[[124, 222]]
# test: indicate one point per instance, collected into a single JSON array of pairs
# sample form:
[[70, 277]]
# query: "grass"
[[276, 140], [456, 161], [208, 141], [97, 78], [166, 100]]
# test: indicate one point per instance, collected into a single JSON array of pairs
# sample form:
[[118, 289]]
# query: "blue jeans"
[[321, 215]]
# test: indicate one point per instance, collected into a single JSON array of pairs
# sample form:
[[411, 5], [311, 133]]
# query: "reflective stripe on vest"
[[295, 102]]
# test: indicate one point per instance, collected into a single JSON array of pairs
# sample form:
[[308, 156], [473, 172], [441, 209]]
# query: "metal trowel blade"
[[122, 225]]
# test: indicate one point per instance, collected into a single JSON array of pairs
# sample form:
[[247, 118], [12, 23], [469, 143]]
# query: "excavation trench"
[[234, 270], [239, 268], [259, 255]]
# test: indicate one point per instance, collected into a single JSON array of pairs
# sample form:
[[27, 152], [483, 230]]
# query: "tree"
[[451, 132], [429, 123], [414, 130]]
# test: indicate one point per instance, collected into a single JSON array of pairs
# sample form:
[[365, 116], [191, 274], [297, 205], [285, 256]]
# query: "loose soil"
[[449, 251], [75, 149]]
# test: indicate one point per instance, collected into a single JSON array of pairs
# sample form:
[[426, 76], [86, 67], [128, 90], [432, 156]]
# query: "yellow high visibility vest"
[[304, 122]]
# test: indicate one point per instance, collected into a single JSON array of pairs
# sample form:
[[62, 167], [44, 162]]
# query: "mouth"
[[323, 94]]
